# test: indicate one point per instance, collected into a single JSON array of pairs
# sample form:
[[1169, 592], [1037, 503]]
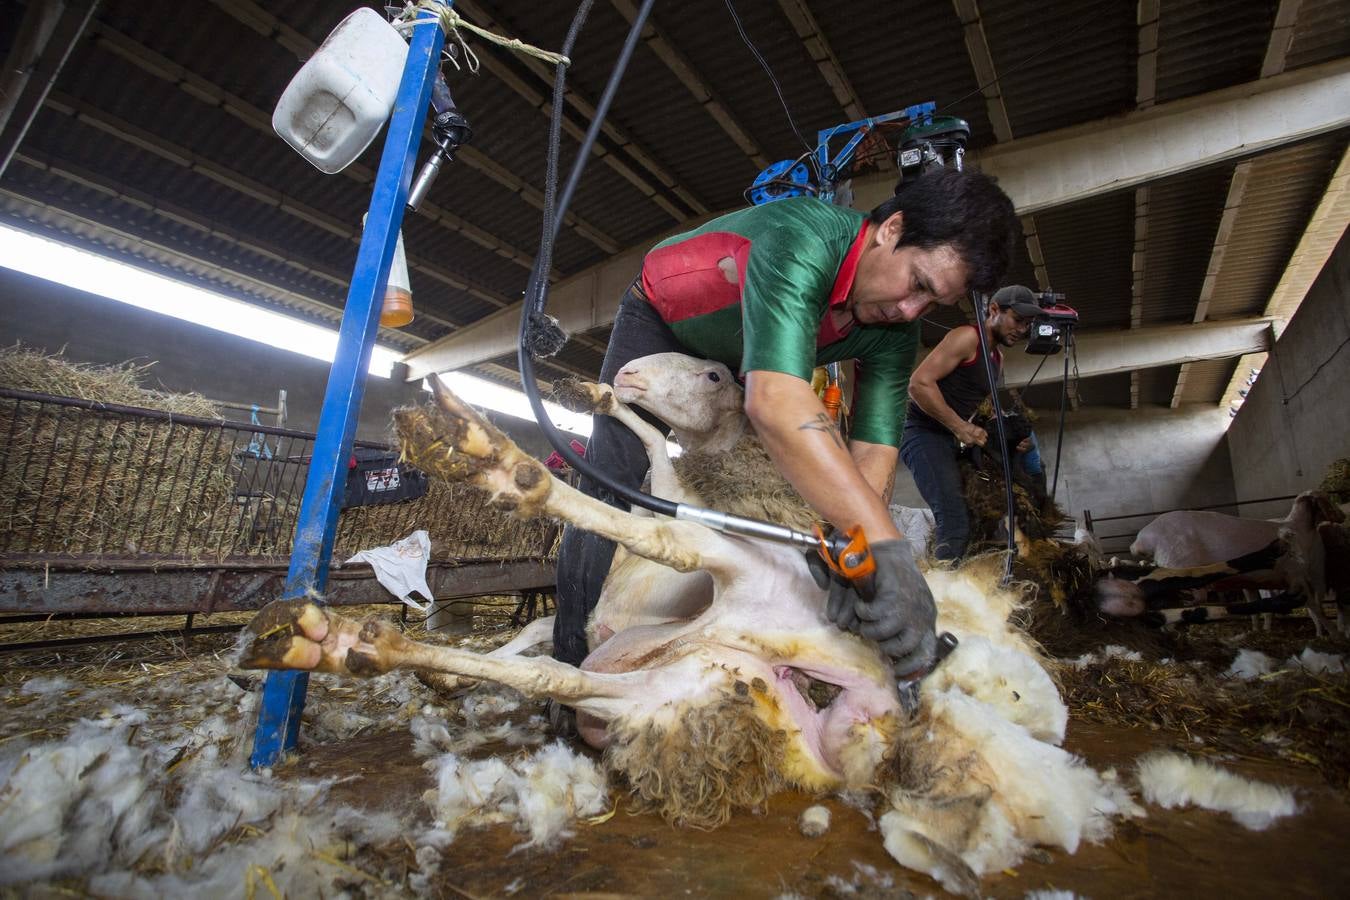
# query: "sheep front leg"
[[290, 635], [599, 399], [451, 441]]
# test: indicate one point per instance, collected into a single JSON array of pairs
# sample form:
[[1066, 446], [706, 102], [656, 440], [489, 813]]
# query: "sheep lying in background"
[[760, 691], [1196, 548]]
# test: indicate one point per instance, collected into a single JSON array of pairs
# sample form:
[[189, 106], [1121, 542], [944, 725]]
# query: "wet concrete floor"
[[1188, 853]]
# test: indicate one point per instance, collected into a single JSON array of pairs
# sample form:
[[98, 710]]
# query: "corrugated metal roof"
[[1157, 385], [1183, 217], [1322, 33], [1208, 44], [1087, 249], [1207, 379], [1282, 191], [1063, 64]]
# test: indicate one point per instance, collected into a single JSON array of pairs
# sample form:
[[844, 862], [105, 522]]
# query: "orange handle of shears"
[[853, 560]]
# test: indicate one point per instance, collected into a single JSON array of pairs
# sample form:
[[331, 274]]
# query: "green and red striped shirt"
[[752, 289]]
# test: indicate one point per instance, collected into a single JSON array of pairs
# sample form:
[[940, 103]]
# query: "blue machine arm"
[[283, 697]]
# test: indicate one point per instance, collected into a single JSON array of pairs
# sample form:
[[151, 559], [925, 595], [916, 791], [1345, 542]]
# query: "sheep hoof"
[[285, 635], [583, 396]]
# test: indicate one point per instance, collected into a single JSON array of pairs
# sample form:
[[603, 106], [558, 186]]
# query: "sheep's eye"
[[713, 376]]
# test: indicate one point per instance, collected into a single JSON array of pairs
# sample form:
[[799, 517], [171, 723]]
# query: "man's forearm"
[[877, 464], [808, 449], [929, 398]]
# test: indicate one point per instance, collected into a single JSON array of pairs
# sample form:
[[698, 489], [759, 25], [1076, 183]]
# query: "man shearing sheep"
[[773, 291], [944, 393]]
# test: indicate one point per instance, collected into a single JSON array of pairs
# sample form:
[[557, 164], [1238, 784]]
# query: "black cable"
[[536, 293], [1027, 386], [982, 316], [1063, 401], [735, 17]]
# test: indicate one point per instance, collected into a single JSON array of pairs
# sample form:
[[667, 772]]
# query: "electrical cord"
[[735, 17], [981, 316], [1063, 401], [532, 317]]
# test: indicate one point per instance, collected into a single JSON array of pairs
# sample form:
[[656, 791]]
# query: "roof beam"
[[30, 42], [1281, 36], [1146, 81], [580, 303], [642, 155], [184, 217], [657, 41], [1277, 49], [982, 61], [269, 26], [818, 47], [986, 75], [48, 44], [1094, 158], [1314, 248], [1123, 350]]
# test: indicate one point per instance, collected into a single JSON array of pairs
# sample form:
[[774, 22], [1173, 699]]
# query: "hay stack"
[[82, 481], [1337, 481]]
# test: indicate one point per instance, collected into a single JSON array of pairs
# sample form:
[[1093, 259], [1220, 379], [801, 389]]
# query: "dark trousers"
[[930, 457], [583, 558]]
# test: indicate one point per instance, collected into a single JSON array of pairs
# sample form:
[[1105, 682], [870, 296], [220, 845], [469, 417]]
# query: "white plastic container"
[[337, 102]]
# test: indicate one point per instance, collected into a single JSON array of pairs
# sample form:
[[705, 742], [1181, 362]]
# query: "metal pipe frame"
[[283, 698]]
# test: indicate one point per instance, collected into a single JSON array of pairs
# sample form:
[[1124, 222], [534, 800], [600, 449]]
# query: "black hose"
[[981, 316], [536, 293], [1063, 400]]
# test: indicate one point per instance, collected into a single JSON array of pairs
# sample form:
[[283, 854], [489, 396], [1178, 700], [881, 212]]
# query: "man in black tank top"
[[944, 392]]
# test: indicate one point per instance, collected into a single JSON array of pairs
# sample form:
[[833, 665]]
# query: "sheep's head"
[[1312, 508], [695, 396]]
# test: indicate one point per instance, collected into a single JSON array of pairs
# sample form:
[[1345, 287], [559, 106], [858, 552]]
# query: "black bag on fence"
[[377, 477]]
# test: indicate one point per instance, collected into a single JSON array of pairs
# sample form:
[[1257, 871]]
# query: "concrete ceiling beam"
[[822, 54], [1095, 158], [580, 304], [1124, 350], [47, 46], [659, 43]]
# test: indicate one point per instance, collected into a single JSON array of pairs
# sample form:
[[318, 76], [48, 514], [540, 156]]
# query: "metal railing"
[[86, 480], [1090, 522]]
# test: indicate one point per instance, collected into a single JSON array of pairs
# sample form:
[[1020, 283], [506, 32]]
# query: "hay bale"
[[1336, 483], [458, 519], [85, 481]]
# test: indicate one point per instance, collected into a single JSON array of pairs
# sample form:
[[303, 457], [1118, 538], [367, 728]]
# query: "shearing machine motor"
[[1050, 331], [914, 137]]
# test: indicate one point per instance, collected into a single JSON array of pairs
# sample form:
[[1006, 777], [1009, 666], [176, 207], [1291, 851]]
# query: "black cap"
[[1019, 299]]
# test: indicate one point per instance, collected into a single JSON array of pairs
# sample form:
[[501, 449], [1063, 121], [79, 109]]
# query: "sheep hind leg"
[[532, 635], [451, 441], [301, 635]]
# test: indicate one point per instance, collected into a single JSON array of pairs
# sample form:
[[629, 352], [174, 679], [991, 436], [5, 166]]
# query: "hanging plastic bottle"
[[397, 309]]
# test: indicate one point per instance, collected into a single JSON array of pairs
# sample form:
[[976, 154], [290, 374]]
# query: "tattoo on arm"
[[824, 423], [890, 488]]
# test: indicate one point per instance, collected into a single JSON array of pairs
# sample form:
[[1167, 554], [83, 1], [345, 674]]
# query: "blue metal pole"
[[283, 697]]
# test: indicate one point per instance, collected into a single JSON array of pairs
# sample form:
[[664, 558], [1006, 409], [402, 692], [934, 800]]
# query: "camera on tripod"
[[1051, 328]]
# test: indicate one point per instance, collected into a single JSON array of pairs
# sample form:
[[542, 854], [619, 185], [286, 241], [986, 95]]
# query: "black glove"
[[839, 608], [895, 608]]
